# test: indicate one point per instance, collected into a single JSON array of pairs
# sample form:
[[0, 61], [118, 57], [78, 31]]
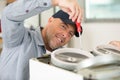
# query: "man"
[[21, 44]]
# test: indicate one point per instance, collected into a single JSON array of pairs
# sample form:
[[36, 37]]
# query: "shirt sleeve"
[[22, 9], [13, 30]]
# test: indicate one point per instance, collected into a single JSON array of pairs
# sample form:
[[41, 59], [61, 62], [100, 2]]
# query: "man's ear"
[[50, 19]]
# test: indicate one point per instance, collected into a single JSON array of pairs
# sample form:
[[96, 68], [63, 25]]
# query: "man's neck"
[[45, 41]]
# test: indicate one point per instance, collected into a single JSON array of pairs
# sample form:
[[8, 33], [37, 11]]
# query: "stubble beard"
[[52, 45]]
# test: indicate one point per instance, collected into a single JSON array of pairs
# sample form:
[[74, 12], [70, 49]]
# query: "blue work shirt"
[[19, 43]]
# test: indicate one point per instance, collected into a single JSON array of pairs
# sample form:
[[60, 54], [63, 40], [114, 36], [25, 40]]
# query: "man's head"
[[65, 18], [59, 30]]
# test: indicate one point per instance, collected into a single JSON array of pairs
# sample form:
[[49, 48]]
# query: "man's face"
[[58, 33]]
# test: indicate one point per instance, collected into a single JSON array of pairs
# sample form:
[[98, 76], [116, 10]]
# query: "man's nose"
[[65, 35]]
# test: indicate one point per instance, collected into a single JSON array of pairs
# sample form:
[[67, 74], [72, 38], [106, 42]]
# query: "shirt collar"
[[39, 38]]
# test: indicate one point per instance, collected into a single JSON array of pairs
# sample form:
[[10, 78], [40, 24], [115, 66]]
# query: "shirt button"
[[27, 11], [44, 4], [19, 24]]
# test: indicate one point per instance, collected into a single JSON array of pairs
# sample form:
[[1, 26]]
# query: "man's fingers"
[[80, 16], [72, 12], [75, 16], [72, 8]]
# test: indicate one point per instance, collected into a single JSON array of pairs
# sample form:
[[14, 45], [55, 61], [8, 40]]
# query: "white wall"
[[95, 34], [32, 21], [45, 16], [2, 5]]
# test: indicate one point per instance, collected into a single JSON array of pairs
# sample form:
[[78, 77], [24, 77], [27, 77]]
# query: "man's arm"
[[14, 15], [13, 30], [23, 9], [70, 6]]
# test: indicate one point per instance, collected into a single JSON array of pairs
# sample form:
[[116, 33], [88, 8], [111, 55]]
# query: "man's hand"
[[115, 43], [71, 7], [10, 1]]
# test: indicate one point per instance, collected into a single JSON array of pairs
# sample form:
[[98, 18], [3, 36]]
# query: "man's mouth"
[[59, 40]]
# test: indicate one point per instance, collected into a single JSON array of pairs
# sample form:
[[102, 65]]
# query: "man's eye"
[[71, 34], [63, 27]]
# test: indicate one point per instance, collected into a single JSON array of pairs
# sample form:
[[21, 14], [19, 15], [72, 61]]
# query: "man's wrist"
[[54, 2]]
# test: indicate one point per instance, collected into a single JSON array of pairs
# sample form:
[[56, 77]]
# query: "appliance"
[[68, 58], [58, 65], [102, 67], [75, 64], [106, 49]]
